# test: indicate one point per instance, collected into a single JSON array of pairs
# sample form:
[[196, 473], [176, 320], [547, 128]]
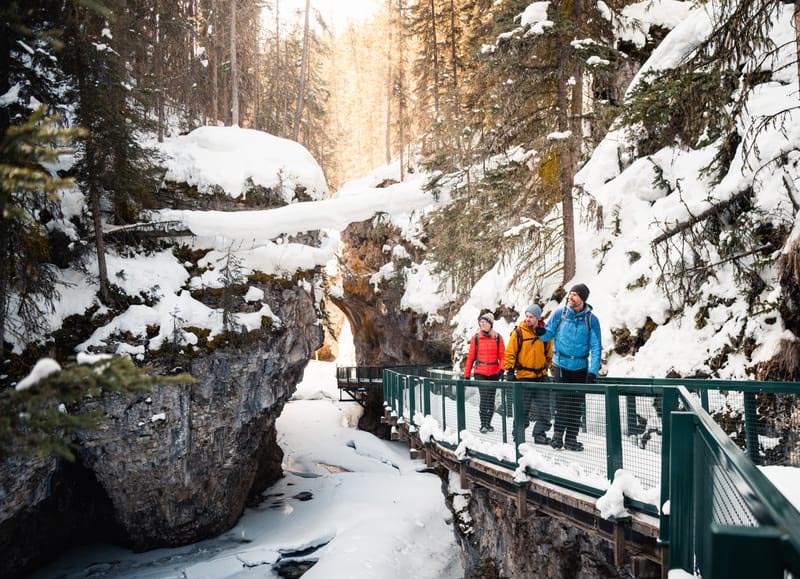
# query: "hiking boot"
[[574, 445], [556, 443], [540, 439], [490, 428], [484, 429]]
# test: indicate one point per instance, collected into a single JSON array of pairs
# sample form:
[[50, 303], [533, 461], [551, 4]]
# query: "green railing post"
[[461, 411], [519, 417], [744, 552], [630, 414], [668, 406], [751, 427], [426, 396], [681, 483], [613, 432], [387, 377], [412, 399], [704, 399], [403, 385]]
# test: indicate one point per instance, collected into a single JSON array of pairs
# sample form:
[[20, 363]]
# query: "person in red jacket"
[[486, 355]]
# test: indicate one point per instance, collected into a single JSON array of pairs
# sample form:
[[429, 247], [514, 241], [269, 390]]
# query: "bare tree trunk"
[[214, 58], [256, 81], [454, 56], [435, 50], [276, 78], [401, 105], [797, 37], [4, 285], [571, 147], [234, 70], [301, 88], [567, 208], [388, 137], [99, 243], [159, 74]]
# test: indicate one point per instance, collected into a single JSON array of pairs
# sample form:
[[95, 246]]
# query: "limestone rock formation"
[[537, 546], [383, 333]]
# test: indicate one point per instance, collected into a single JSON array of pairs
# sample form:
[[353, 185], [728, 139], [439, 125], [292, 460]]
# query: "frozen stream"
[[350, 506]]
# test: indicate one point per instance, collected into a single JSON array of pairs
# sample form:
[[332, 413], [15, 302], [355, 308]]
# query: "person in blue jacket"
[[576, 359]]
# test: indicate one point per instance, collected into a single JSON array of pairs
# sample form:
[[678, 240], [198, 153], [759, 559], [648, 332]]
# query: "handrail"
[[707, 540], [686, 428]]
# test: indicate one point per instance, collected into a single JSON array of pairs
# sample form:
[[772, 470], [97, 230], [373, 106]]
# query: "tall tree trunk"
[[571, 146], [454, 58], [159, 72], [797, 37], [256, 82], [214, 54], [435, 52], [401, 104], [388, 136], [99, 243], [567, 209], [234, 70], [276, 74], [301, 85]]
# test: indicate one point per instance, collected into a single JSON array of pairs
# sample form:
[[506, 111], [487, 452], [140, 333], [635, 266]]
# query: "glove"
[[539, 330], [511, 375], [591, 378]]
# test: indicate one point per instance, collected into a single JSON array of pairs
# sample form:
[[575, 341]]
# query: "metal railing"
[[639, 425]]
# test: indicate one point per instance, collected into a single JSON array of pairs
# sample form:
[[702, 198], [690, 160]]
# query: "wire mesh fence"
[[642, 437]]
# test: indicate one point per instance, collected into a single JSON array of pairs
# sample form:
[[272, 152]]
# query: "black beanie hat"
[[581, 290]]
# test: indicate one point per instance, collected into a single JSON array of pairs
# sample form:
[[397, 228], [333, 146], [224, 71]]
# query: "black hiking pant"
[[486, 408], [540, 413], [569, 404]]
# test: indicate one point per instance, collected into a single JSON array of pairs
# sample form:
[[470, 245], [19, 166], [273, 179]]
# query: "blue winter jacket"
[[574, 349]]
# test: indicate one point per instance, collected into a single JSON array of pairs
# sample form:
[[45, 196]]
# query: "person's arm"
[[595, 345], [501, 352], [548, 353], [548, 332], [470, 358], [511, 351]]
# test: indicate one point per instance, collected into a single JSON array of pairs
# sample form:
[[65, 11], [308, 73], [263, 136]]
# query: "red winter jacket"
[[488, 358]]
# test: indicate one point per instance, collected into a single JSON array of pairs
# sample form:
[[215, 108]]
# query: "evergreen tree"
[[113, 166], [40, 419], [27, 189]]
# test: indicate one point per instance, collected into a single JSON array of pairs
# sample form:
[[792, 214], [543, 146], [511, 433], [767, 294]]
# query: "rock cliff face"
[[180, 464], [177, 465], [537, 546], [384, 334]]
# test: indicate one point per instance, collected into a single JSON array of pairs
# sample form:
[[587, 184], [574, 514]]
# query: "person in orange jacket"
[[486, 354], [528, 359]]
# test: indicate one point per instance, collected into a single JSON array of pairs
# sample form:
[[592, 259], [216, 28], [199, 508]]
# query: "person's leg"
[[527, 399], [574, 403], [486, 404], [574, 409], [541, 415], [559, 422]]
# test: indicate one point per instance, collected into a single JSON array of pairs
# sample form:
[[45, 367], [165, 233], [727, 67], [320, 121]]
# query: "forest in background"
[[499, 102]]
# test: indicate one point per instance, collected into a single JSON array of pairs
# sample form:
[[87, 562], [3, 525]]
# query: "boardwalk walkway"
[[694, 499]]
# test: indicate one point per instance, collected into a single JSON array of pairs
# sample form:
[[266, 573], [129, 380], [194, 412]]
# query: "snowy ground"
[[350, 503]]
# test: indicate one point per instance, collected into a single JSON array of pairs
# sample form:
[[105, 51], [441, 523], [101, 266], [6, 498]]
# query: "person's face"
[[485, 325], [575, 301], [531, 320]]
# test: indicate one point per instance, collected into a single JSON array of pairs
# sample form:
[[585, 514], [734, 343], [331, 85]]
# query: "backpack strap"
[[520, 340]]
